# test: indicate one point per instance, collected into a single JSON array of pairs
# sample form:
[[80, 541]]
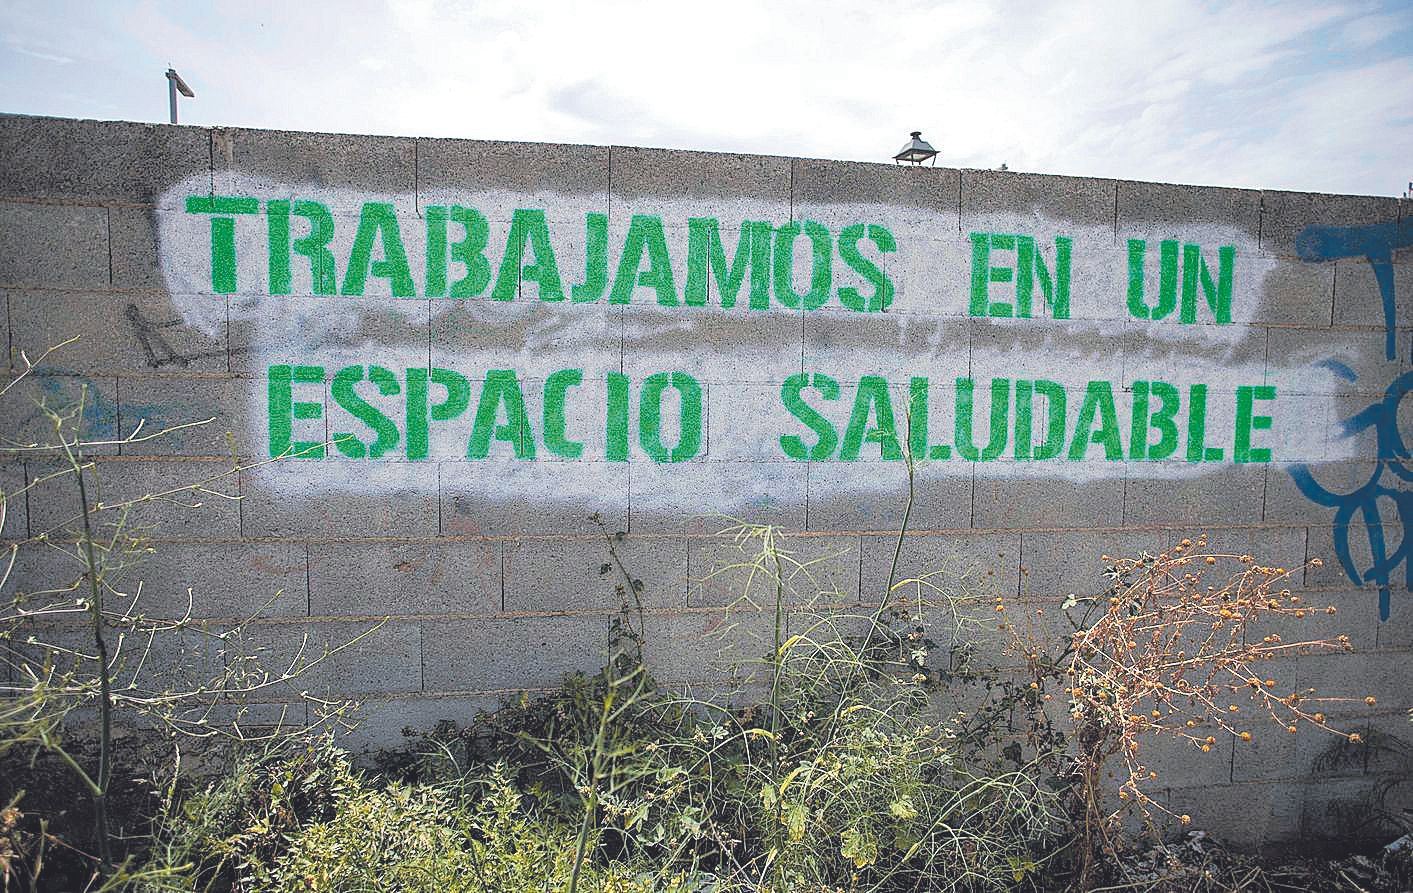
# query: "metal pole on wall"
[[175, 83]]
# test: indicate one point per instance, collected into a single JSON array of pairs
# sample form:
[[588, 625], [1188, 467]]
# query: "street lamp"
[[916, 151], [175, 83]]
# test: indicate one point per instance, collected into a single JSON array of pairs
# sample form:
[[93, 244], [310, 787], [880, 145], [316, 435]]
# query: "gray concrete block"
[[132, 234], [1356, 615], [1220, 357], [1207, 215], [874, 496], [567, 182], [511, 654], [172, 416], [1072, 354], [707, 497], [55, 246], [378, 578], [1295, 355], [331, 658], [677, 185], [1321, 544], [819, 571], [910, 201], [384, 722], [1025, 494], [343, 169], [579, 574], [162, 498], [1295, 292], [1395, 633], [1285, 215], [133, 332], [846, 345], [533, 338], [327, 331], [87, 406], [1312, 752], [931, 277], [339, 498], [727, 649], [1011, 202], [1229, 494], [1180, 762], [484, 498], [950, 566], [1358, 300], [1280, 547], [172, 581], [1248, 814], [140, 662], [98, 161], [709, 344], [1382, 675], [1055, 563]]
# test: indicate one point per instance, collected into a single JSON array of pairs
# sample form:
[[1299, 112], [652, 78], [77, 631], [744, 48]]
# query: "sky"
[[1311, 96]]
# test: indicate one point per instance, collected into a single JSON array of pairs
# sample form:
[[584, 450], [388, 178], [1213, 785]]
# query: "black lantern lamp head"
[[916, 151]]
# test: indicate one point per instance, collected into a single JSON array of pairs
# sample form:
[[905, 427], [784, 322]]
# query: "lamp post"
[[174, 84], [916, 151]]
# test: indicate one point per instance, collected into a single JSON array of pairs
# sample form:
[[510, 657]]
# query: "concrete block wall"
[[491, 574]]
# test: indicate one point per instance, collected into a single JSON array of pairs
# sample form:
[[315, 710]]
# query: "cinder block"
[[950, 566], [327, 331], [98, 161], [1057, 563], [1299, 361], [1282, 547], [1221, 357], [1311, 753], [912, 202], [172, 416], [376, 578], [139, 662], [1286, 215], [504, 498], [54, 246], [1038, 205], [1206, 215], [342, 170], [567, 182], [1388, 739], [1228, 494], [727, 649], [178, 580], [874, 496], [1180, 762], [712, 496], [1071, 353], [931, 277], [1245, 815], [511, 654], [678, 185], [1395, 633], [1032, 494], [710, 344], [846, 345], [742, 422], [393, 722], [135, 262], [1296, 293], [339, 498], [580, 574], [1323, 544], [134, 332], [531, 337], [331, 658], [161, 497], [1358, 300], [87, 406], [1356, 615], [1382, 675], [727, 572]]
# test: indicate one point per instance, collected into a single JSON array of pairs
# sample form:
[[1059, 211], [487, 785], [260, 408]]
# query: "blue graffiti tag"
[[1376, 243]]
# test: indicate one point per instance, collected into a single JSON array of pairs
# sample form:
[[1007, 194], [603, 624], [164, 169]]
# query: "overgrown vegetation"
[[940, 738]]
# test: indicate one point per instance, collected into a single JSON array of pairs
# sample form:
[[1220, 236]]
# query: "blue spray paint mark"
[[1376, 243]]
